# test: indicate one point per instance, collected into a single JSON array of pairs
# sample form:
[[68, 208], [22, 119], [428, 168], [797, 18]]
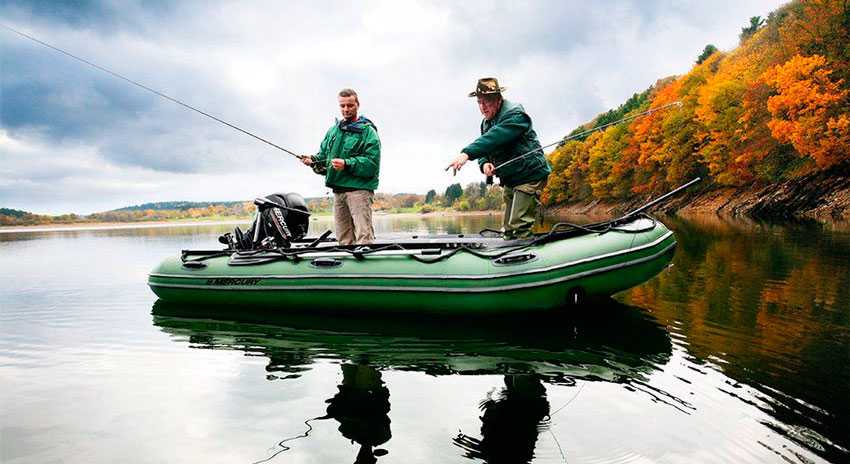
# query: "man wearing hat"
[[508, 147]]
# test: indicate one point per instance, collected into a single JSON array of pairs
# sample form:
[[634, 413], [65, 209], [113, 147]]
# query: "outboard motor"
[[281, 218]]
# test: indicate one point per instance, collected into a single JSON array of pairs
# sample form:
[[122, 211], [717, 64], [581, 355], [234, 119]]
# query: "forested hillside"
[[180, 205], [774, 109], [243, 210]]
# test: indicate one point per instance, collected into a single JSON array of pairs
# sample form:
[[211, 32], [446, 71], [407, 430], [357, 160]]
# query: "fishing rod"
[[101, 68], [658, 200], [581, 134], [589, 131]]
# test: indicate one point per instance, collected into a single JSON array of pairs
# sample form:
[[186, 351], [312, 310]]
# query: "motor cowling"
[[280, 219]]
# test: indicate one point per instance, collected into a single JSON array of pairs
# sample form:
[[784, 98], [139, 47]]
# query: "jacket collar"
[[356, 126], [506, 107]]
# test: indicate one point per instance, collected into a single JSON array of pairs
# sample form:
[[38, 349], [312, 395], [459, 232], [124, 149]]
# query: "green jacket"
[[509, 135], [358, 144]]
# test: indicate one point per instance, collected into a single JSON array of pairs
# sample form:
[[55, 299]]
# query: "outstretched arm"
[[501, 134]]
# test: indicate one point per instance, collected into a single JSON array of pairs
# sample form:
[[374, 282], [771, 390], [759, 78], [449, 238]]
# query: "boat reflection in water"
[[611, 343]]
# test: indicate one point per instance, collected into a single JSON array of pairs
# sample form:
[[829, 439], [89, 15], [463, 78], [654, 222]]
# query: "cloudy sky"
[[74, 139]]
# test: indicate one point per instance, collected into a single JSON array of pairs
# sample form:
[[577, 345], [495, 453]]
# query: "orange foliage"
[[776, 107], [818, 27], [647, 151], [732, 110], [663, 148], [809, 110]]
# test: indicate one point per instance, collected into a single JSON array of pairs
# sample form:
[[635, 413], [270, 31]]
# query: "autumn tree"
[[602, 156], [648, 150], [569, 173], [810, 110], [776, 107]]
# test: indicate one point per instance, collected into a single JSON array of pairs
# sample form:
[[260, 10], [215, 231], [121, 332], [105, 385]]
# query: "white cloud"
[[274, 69]]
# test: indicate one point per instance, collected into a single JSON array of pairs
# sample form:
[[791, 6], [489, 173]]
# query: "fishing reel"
[[320, 168], [280, 220]]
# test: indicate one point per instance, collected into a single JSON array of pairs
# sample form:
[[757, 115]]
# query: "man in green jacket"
[[508, 148], [350, 159]]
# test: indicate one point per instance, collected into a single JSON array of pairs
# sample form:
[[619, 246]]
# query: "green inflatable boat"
[[448, 274], [274, 265]]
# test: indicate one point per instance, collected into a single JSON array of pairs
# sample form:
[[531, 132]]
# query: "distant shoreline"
[[83, 226], [80, 226]]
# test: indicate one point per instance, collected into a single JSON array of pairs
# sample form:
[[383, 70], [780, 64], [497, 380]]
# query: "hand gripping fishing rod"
[[119, 76], [590, 131]]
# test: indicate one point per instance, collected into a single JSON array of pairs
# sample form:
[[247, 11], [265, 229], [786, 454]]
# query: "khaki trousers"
[[353, 217], [522, 206]]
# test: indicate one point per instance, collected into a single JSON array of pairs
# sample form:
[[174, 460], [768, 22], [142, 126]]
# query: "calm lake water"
[[739, 352]]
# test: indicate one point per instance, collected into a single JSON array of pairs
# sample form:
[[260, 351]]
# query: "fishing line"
[[589, 131], [283, 447], [563, 456], [568, 402], [101, 68]]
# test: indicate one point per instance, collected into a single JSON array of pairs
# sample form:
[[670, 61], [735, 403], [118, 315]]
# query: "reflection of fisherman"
[[508, 142], [361, 407], [510, 423]]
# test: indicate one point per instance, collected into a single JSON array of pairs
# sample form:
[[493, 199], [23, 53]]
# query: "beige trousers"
[[353, 217]]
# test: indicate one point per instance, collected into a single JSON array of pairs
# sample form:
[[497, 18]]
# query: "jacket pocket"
[[349, 146]]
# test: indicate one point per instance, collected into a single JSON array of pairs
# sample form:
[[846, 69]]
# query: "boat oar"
[[156, 92]]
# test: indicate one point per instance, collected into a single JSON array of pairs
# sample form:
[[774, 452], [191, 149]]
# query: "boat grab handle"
[[326, 262], [515, 258]]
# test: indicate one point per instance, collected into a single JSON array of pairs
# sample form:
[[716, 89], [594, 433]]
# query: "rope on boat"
[[558, 231], [283, 254], [545, 238]]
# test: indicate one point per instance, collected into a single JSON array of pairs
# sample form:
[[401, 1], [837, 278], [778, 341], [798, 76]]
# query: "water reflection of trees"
[[773, 303], [598, 346]]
